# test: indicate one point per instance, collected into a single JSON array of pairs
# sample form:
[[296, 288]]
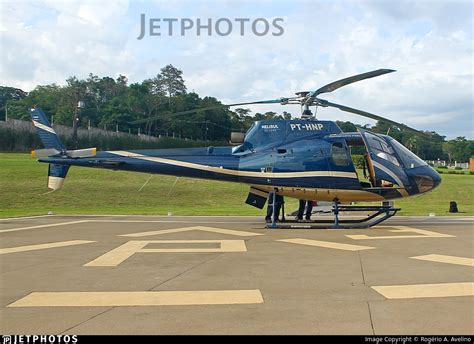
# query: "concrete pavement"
[[230, 275]]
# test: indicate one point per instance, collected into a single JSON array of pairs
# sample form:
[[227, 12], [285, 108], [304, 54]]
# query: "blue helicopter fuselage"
[[297, 158]]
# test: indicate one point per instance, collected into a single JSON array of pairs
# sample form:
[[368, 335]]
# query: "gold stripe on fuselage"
[[323, 194], [235, 172]]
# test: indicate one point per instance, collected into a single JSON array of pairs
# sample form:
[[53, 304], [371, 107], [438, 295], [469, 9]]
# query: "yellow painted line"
[[422, 233], [43, 226], [439, 258], [426, 290], [327, 244], [125, 251], [43, 246], [139, 298], [24, 217], [195, 228]]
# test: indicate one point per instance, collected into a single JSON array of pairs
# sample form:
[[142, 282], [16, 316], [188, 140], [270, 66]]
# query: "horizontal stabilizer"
[[44, 153], [82, 153], [78, 153]]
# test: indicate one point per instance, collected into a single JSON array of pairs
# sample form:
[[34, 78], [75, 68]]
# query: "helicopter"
[[305, 158]]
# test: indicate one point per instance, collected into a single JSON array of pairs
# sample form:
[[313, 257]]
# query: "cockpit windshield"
[[409, 159], [251, 131]]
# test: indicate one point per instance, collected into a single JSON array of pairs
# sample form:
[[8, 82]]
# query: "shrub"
[[16, 140], [458, 168], [442, 166], [359, 160]]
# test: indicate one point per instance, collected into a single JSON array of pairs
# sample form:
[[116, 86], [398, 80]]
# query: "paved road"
[[229, 275]]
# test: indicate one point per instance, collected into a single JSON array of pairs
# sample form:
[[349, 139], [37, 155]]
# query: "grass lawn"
[[23, 191]]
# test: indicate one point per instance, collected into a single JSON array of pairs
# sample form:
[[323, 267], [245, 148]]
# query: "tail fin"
[[53, 147], [47, 134], [56, 175], [52, 144]]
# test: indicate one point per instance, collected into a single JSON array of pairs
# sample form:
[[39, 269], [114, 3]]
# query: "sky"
[[429, 43]]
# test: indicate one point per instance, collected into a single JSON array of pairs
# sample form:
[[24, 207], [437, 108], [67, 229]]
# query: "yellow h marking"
[[327, 244], [125, 251], [422, 233], [195, 228]]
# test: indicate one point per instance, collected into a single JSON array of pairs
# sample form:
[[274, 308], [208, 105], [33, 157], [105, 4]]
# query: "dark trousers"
[[309, 209], [278, 203]]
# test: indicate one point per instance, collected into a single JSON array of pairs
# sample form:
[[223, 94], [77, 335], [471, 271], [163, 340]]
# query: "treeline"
[[114, 103]]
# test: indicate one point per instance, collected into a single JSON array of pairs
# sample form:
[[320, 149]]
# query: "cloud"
[[323, 41], [47, 42]]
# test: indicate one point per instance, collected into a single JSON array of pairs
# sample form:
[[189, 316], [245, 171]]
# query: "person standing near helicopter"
[[304, 204], [278, 203]]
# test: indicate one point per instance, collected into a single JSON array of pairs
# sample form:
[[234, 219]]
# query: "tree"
[[388, 129], [110, 101], [286, 115], [122, 80], [169, 81], [241, 119], [7, 94], [460, 149], [347, 126], [267, 115]]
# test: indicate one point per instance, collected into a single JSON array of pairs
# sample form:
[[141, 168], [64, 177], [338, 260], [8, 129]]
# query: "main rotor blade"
[[325, 103], [346, 81], [154, 118], [269, 101]]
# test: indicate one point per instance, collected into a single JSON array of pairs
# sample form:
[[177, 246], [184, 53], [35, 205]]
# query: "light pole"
[[75, 122], [6, 110]]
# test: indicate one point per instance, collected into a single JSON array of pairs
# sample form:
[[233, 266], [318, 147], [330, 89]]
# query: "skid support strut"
[[377, 215]]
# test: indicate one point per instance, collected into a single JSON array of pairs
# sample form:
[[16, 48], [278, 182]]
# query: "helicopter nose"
[[426, 179]]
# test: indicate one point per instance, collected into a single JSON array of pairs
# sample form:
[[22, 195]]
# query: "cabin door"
[[382, 162]]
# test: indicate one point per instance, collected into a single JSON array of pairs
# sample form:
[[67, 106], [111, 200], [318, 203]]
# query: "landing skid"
[[379, 214]]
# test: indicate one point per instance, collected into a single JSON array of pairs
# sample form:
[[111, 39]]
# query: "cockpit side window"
[[339, 154]]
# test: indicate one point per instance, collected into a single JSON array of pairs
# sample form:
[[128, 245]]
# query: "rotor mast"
[[306, 113]]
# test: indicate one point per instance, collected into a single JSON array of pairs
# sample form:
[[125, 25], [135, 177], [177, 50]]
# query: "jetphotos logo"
[[155, 27], [38, 339]]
